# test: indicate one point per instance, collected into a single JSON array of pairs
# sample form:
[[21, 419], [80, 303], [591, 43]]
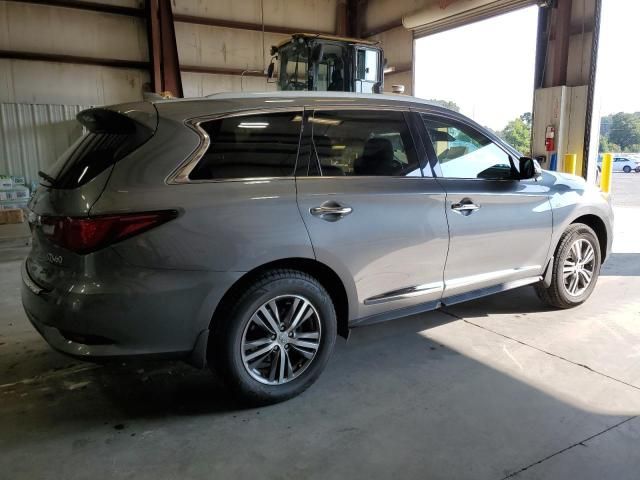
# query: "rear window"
[[255, 146], [109, 137]]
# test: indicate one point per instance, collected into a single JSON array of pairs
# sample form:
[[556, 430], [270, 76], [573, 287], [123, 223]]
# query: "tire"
[[626, 169], [558, 293], [637, 169], [245, 323]]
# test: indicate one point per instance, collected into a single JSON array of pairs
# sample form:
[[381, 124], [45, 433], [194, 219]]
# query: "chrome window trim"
[[180, 175], [408, 292]]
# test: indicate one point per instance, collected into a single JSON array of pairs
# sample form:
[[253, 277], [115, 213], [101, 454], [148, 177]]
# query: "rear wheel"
[[626, 169], [276, 338], [576, 267]]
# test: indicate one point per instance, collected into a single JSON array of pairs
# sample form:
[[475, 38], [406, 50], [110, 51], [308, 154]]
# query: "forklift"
[[326, 63]]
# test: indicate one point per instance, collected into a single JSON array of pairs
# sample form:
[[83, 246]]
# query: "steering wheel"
[[297, 85]]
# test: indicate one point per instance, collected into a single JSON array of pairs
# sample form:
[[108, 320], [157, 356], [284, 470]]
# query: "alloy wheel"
[[281, 339], [578, 267]]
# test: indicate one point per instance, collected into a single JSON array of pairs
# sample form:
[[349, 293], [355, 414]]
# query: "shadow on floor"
[[622, 264]]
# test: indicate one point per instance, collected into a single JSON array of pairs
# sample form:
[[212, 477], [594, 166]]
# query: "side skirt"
[[446, 301]]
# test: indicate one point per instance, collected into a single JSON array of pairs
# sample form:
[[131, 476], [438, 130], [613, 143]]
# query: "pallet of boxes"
[[14, 197]]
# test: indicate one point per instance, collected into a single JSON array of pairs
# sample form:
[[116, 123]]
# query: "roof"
[[183, 108], [324, 36]]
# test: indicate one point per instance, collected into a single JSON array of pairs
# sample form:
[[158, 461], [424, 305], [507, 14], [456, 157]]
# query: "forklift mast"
[[326, 63]]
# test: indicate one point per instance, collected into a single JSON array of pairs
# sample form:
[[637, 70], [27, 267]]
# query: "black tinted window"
[[250, 146], [362, 143], [111, 137], [465, 153]]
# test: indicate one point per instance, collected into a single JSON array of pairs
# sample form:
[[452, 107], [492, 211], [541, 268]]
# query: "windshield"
[[294, 59]]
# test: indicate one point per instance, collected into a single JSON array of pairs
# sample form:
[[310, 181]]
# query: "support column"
[[163, 50]]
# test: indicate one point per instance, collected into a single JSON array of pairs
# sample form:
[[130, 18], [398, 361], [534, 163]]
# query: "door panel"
[[395, 237], [505, 239], [371, 215], [499, 227]]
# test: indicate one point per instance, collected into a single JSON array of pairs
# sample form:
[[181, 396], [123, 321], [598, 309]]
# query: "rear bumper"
[[161, 316]]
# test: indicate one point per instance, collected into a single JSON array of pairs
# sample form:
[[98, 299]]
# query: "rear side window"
[[362, 143], [110, 137], [253, 146]]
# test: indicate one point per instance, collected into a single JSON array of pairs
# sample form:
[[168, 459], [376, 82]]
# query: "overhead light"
[[338, 147], [325, 121], [389, 69], [319, 121], [278, 101], [253, 125]]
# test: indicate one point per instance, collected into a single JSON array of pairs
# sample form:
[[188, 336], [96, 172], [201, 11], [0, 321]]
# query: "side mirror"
[[529, 168]]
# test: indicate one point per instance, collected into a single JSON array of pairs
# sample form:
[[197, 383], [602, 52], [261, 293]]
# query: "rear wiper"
[[47, 177]]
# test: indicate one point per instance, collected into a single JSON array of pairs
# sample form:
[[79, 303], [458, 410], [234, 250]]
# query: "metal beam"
[[562, 33], [163, 50], [91, 6], [74, 59], [222, 71], [383, 28], [216, 22]]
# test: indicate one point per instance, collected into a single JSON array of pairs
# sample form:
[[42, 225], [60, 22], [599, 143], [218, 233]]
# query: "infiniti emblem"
[[55, 259]]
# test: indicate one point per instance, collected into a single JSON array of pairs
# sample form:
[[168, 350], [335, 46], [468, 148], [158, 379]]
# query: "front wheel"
[[276, 338], [576, 267]]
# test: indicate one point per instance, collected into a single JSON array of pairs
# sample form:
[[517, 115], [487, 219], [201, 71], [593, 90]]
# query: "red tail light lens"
[[88, 234]]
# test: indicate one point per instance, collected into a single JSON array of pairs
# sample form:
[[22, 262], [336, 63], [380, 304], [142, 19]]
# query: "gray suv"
[[246, 231]]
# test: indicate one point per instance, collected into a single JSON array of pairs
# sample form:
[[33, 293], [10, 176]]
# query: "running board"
[[483, 292]]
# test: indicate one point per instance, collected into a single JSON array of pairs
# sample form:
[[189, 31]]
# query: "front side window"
[[465, 153], [362, 143], [251, 146], [294, 63]]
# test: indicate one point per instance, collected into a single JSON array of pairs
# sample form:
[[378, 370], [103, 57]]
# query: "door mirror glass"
[[529, 168]]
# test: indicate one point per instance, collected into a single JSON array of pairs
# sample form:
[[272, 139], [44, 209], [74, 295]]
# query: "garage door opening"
[[617, 93], [485, 70]]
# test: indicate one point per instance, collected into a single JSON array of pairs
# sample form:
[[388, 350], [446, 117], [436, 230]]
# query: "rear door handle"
[[465, 207], [330, 211]]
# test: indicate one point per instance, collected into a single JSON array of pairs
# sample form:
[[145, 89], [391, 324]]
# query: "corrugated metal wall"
[[33, 136]]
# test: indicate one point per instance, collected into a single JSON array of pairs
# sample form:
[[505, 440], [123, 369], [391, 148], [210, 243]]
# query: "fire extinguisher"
[[549, 138]]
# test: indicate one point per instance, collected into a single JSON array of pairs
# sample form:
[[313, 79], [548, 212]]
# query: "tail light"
[[88, 234]]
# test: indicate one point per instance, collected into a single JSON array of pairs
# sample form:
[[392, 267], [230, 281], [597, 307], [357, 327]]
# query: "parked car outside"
[[626, 164], [245, 231]]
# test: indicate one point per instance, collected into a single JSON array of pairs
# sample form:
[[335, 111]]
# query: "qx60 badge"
[[55, 259]]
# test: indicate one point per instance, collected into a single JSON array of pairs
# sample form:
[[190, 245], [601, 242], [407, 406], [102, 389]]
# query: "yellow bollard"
[[570, 160], [607, 170]]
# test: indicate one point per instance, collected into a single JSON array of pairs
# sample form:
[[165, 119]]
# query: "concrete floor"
[[497, 388]]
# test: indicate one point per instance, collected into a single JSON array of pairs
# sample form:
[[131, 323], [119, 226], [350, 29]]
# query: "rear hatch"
[[69, 188]]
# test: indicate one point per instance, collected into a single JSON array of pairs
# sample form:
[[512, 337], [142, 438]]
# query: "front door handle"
[[465, 207], [330, 211]]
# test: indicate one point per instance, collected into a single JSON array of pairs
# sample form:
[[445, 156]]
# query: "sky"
[[479, 63], [618, 75], [494, 59]]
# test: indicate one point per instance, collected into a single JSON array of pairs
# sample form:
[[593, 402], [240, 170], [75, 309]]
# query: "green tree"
[[518, 133], [446, 104], [606, 146], [624, 130]]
